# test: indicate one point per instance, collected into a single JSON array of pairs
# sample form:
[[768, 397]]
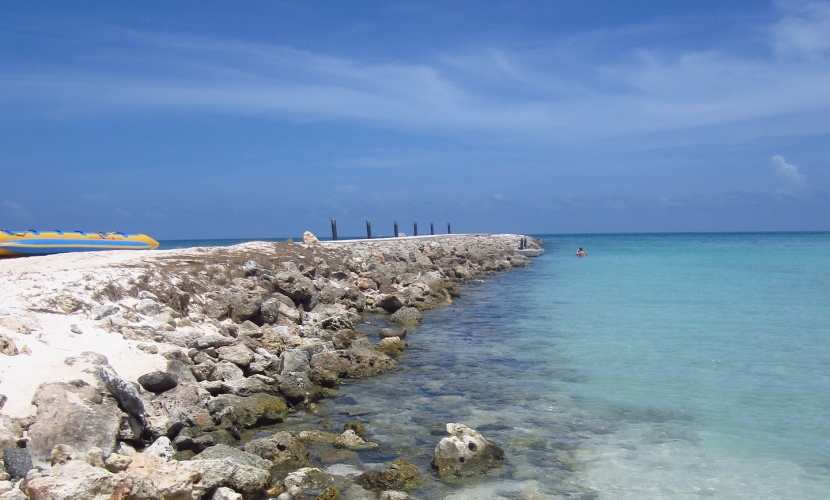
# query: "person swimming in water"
[[581, 253]]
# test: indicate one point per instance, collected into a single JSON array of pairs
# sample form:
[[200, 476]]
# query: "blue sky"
[[265, 119]]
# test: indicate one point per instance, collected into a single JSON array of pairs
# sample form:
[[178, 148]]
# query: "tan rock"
[[170, 478], [351, 441], [310, 239], [73, 480], [76, 414], [7, 346], [465, 453]]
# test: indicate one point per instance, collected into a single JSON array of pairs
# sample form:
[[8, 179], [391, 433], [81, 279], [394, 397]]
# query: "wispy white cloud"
[[788, 171], [804, 28], [516, 92]]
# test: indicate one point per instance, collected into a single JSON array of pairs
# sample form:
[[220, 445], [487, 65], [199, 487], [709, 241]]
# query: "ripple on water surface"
[[674, 366]]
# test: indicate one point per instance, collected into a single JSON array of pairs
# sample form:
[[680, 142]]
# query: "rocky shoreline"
[[167, 358]]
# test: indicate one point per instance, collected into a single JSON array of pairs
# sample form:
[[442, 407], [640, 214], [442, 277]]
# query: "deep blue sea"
[[676, 366]]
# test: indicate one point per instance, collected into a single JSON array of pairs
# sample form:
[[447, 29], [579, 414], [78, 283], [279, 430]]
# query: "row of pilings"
[[396, 232]]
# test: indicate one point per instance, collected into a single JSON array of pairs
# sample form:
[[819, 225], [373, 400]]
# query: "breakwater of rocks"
[[248, 334]]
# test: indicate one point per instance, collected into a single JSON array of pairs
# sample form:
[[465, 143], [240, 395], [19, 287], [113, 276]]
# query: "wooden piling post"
[[415, 232], [448, 228], [368, 229], [334, 229], [431, 228], [396, 229]]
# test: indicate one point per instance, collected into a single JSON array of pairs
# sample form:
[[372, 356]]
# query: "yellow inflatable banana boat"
[[21, 243]]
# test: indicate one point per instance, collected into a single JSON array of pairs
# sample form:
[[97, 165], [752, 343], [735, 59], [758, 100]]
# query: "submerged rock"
[[351, 441], [400, 475], [465, 453], [283, 449]]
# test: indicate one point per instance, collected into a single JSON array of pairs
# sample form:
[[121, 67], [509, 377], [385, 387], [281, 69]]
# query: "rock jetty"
[[132, 375]]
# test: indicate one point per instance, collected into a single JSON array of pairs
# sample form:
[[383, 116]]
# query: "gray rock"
[[75, 329], [130, 428], [250, 411], [337, 317], [102, 311], [289, 312], [221, 451], [390, 303], [407, 316], [262, 364], [75, 479], [196, 444], [147, 307], [246, 386], [75, 414], [270, 310], [392, 332], [17, 461], [293, 284], [245, 304], [158, 381], [161, 448], [209, 341], [87, 361], [294, 360], [202, 371], [400, 475], [343, 339], [216, 473], [364, 361], [283, 449], [123, 392], [205, 356], [238, 354], [330, 294], [144, 294], [237, 303], [225, 370], [251, 268], [297, 387], [223, 493]]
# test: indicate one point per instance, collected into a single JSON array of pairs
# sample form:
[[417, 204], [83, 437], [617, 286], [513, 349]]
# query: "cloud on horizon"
[[788, 171]]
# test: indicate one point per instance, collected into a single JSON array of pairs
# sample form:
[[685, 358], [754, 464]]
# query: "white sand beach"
[[30, 288]]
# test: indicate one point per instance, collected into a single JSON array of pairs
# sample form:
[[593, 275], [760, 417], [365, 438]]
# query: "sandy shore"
[[31, 289], [37, 312], [235, 337]]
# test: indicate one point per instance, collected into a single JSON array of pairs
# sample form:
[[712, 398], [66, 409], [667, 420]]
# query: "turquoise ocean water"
[[676, 366]]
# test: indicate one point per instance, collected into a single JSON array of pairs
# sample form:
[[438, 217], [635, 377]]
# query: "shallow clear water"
[[660, 366]]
